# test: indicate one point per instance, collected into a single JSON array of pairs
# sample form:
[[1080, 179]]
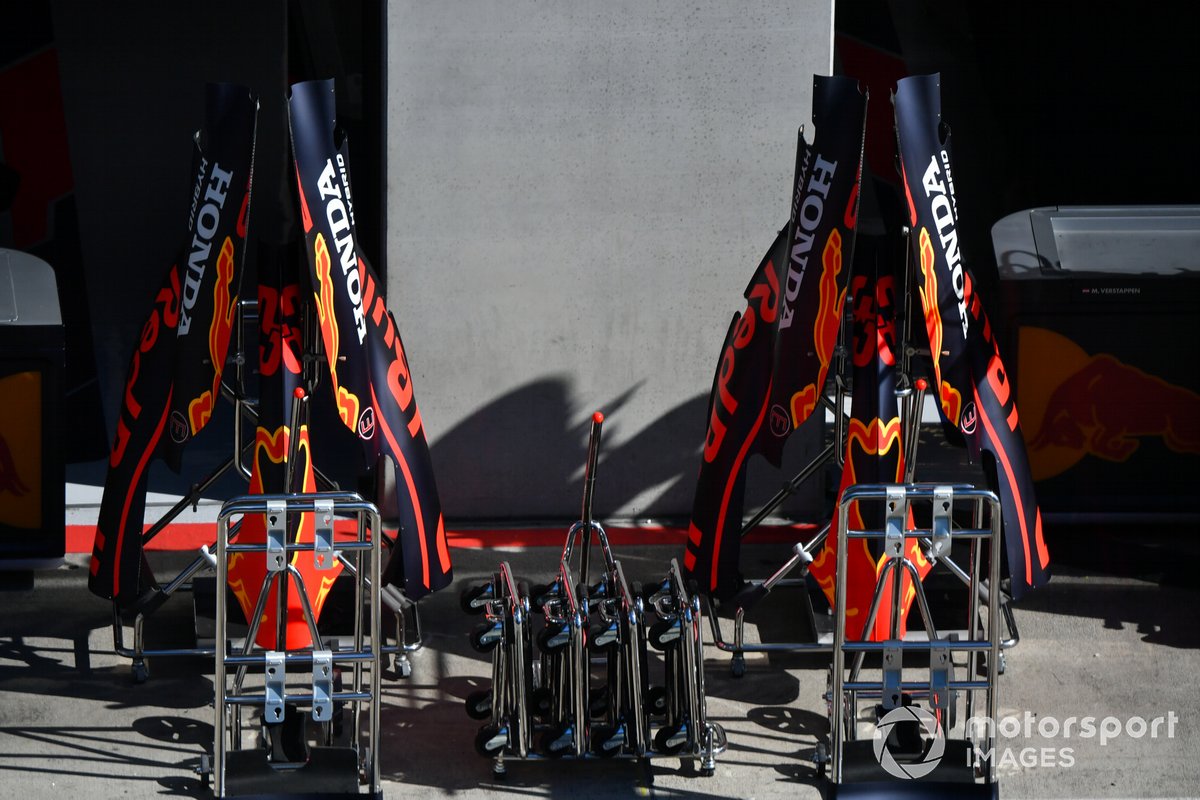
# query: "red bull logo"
[[1096, 405]]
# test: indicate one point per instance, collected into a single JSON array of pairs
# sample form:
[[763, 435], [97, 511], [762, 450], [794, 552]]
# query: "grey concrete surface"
[[1093, 644], [578, 194]]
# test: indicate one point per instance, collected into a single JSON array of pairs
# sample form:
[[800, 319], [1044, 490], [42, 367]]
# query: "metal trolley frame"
[[242, 771], [948, 758]]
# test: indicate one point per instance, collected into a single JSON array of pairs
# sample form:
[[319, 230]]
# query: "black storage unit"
[[1098, 323], [32, 356]]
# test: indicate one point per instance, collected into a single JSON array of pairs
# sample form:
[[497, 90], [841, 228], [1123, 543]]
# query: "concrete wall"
[[577, 195]]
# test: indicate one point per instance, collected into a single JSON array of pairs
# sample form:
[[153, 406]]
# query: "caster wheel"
[[603, 637], [656, 701], [402, 667], [607, 740], [542, 593], [141, 673], [542, 702], [486, 636], [651, 590], [671, 739], [479, 704], [553, 638], [474, 599], [559, 741], [665, 633], [707, 772], [491, 740], [598, 702]]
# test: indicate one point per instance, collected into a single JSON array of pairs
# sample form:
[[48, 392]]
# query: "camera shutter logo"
[[933, 756]]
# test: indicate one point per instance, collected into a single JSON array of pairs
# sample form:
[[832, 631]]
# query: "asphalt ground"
[[1115, 637]]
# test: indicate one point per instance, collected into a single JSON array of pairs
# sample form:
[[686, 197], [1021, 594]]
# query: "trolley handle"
[[589, 473]]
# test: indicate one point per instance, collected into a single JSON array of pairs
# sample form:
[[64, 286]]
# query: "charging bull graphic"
[[174, 376], [776, 355], [973, 388], [1085, 412], [371, 380], [282, 462], [874, 454], [1096, 405]]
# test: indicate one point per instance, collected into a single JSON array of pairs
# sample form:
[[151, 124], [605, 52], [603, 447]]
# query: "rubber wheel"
[[541, 701], [598, 700], [665, 633], [539, 593], [671, 740], [491, 740], [479, 704], [608, 741], [486, 636], [473, 599], [603, 638], [557, 741], [550, 639], [656, 701]]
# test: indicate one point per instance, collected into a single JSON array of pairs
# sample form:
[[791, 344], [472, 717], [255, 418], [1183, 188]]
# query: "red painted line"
[[192, 535]]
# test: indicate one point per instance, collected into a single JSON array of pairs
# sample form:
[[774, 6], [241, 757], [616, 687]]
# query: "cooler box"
[[1099, 314], [32, 355]]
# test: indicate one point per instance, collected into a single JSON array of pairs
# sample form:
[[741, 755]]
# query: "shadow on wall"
[[521, 456]]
